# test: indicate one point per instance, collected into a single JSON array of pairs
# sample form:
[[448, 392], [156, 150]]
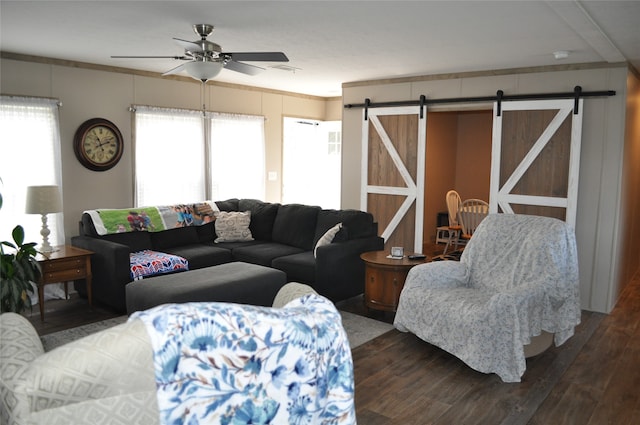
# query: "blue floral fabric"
[[231, 364]]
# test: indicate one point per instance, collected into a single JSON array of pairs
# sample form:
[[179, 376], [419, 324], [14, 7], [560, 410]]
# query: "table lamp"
[[44, 200]]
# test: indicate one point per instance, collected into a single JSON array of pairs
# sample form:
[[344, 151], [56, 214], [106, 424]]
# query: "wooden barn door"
[[393, 167], [535, 158]]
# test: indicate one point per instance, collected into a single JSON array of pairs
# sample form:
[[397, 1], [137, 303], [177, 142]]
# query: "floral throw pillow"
[[150, 263], [233, 226]]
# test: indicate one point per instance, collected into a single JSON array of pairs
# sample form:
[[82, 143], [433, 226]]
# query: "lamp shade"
[[203, 71], [43, 200]]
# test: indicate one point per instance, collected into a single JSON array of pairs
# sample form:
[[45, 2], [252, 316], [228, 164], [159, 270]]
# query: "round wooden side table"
[[384, 278]]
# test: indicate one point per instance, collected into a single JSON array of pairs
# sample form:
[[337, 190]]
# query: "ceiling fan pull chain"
[[204, 99]]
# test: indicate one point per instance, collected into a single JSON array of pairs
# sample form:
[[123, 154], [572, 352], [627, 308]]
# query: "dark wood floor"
[[64, 314], [594, 378]]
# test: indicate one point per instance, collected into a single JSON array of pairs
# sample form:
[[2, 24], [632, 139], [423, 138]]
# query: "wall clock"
[[98, 144]]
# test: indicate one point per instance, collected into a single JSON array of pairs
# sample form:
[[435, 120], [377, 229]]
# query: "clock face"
[[98, 144]]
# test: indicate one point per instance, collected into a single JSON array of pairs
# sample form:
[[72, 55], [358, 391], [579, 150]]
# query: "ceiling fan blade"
[[259, 56], [189, 45], [176, 70], [152, 57], [244, 68]]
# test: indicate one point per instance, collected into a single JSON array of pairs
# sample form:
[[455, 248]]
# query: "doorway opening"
[[458, 156], [311, 162]]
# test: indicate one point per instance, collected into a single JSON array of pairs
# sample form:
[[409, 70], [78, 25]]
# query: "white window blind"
[[29, 156], [237, 156], [169, 156]]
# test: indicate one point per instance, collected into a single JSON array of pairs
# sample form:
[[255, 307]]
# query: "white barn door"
[[535, 158], [393, 170]]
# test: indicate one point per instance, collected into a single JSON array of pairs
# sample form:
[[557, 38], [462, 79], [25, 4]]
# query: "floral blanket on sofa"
[[152, 219], [239, 364]]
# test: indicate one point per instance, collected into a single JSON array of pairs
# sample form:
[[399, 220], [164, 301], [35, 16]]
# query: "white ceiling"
[[330, 42]]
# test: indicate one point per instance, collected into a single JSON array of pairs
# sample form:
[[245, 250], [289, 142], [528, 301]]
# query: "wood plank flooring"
[[64, 314], [594, 378]]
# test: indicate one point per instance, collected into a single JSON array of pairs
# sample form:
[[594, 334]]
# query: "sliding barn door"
[[535, 158], [393, 167]]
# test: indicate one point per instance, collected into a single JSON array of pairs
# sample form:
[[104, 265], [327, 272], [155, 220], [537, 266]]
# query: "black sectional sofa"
[[284, 238]]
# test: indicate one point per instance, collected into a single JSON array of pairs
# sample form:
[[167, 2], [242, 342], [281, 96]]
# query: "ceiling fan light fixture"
[[206, 59], [203, 70]]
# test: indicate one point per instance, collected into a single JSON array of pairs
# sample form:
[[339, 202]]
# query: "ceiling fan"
[[206, 59]]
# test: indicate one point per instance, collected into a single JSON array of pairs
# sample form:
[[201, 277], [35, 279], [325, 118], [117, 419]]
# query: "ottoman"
[[236, 282]]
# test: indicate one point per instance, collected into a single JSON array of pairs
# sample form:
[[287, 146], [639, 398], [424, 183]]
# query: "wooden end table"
[[384, 279], [65, 264]]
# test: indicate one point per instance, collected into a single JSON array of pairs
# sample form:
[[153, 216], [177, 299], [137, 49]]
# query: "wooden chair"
[[470, 215], [453, 205]]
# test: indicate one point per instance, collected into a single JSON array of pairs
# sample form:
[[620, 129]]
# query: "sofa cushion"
[[136, 241], [206, 232], [263, 214], [233, 245], [299, 267], [228, 205], [233, 226], [150, 263], [202, 254], [355, 224], [263, 253], [174, 237], [295, 225]]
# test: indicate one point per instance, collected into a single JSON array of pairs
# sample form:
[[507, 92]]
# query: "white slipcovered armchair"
[[517, 277]]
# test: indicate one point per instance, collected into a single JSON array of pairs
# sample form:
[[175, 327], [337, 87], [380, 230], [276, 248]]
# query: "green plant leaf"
[[18, 235], [17, 270], [9, 244]]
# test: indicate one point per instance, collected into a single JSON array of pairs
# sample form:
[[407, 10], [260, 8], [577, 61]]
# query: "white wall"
[[601, 226], [89, 93], [598, 229]]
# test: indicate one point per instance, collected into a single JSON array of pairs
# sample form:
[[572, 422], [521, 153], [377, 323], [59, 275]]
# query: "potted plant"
[[18, 268]]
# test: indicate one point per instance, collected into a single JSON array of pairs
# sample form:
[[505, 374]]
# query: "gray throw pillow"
[[327, 238], [233, 226]]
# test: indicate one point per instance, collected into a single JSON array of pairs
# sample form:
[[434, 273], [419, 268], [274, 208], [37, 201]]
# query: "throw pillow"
[[150, 263], [233, 226], [327, 238]]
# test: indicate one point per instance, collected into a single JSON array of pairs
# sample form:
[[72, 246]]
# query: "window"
[[29, 156], [311, 162], [177, 161], [169, 156], [237, 156], [334, 142]]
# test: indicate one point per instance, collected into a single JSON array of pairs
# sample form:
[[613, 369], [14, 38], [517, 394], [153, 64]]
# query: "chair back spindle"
[[472, 212]]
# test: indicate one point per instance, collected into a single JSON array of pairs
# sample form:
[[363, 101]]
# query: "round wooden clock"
[[98, 144]]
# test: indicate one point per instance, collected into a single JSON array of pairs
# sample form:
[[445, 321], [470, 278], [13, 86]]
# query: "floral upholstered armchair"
[[517, 278], [186, 363]]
